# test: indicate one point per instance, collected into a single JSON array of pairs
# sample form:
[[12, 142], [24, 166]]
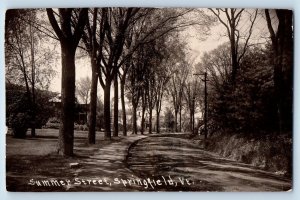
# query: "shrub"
[[80, 127], [273, 154], [53, 120], [52, 125], [20, 123], [19, 106]]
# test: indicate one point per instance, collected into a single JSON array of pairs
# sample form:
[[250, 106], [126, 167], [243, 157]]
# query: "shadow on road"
[[177, 156]]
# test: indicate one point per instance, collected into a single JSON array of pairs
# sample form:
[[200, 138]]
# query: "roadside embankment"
[[270, 153]]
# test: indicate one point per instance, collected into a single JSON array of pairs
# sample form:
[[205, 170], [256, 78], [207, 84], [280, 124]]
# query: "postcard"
[[149, 99]]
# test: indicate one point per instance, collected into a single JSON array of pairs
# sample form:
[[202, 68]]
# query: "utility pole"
[[205, 101]]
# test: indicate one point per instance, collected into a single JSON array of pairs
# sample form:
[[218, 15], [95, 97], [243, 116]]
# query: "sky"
[[197, 47]]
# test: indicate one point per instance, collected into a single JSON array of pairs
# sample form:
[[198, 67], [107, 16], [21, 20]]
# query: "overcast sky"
[[197, 46]]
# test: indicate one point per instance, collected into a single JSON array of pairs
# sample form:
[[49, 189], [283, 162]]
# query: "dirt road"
[[165, 162], [175, 159]]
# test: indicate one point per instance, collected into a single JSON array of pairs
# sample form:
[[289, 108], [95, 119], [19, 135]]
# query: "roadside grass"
[[273, 154], [44, 143], [37, 158]]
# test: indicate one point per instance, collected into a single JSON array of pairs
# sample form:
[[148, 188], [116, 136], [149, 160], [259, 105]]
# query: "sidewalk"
[[105, 170]]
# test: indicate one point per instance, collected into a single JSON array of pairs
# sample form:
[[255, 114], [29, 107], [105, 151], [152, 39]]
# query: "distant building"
[[81, 110]]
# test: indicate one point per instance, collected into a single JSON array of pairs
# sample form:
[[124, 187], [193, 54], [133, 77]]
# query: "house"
[[81, 110]]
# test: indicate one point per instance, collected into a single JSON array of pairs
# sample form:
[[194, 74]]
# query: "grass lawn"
[[44, 143], [36, 157]]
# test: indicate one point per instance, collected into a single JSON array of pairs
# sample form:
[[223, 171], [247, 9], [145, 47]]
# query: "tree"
[[135, 85], [100, 114], [151, 97], [156, 57], [230, 19], [169, 120], [162, 78], [177, 70], [93, 47], [121, 32], [191, 95], [147, 61], [152, 25], [106, 51], [176, 88], [28, 61], [69, 39], [282, 46], [163, 72], [218, 64], [148, 54], [147, 25], [122, 76], [249, 106], [18, 108]]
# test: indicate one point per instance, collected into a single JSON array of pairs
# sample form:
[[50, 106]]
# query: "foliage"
[[282, 62], [44, 110], [83, 88], [238, 39], [169, 120], [52, 125], [99, 115], [247, 105], [19, 110], [28, 61], [80, 127], [17, 113], [20, 124], [272, 153]]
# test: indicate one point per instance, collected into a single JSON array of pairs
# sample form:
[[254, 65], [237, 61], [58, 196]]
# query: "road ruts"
[[175, 157]]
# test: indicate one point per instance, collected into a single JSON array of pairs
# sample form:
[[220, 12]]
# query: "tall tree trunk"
[[191, 121], [66, 131], [157, 121], [288, 49], [33, 117], [143, 112], [93, 106], [193, 127], [150, 121], [116, 106], [33, 133], [143, 118], [176, 127], [283, 69], [107, 119], [134, 118], [123, 108], [282, 43], [180, 110], [234, 60], [33, 106], [86, 111], [69, 43]]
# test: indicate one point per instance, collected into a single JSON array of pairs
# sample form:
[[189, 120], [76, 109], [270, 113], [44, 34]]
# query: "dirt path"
[[105, 170], [190, 168]]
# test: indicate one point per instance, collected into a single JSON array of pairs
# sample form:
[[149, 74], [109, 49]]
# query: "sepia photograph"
[[142, 99]]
